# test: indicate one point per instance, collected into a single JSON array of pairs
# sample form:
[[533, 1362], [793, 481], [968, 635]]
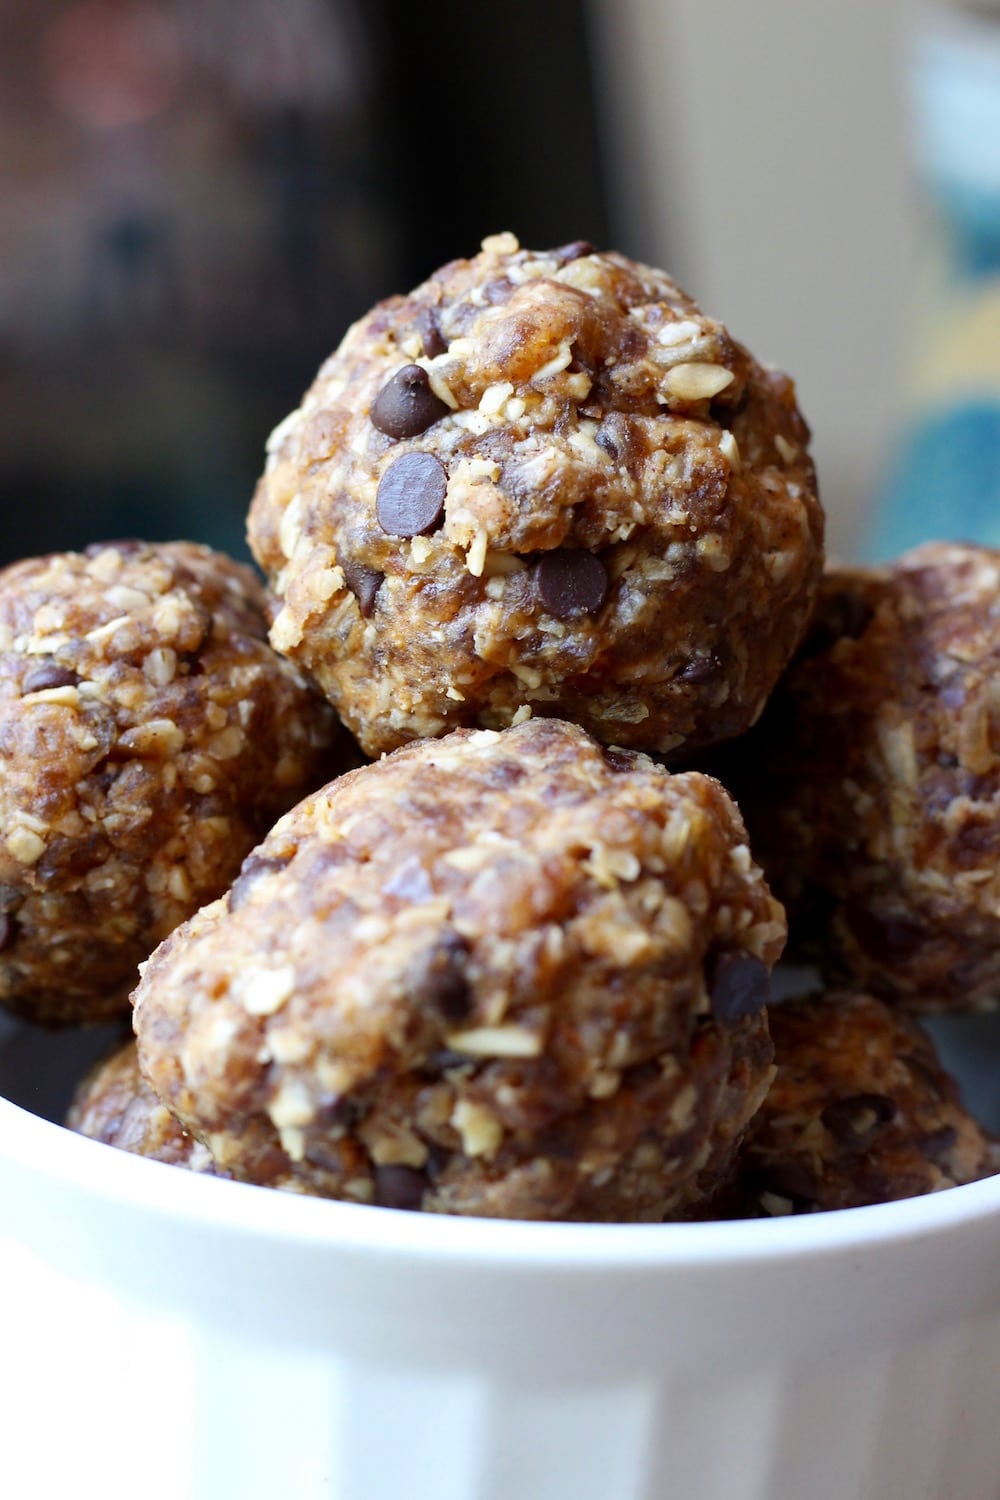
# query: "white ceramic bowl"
[[168, 1335]]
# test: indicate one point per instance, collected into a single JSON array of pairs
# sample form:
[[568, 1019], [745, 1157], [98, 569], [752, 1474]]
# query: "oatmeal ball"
[[544, 480], [149, 736], [114, 1104], [860, 1111], [505, 974], [872, 785]]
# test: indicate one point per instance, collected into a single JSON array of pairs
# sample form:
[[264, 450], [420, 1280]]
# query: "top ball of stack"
[[546, 483]]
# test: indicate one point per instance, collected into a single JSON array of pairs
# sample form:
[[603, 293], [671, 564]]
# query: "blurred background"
[[198, 196]]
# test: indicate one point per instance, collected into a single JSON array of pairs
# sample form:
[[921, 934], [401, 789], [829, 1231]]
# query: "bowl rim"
[[193, 1200]]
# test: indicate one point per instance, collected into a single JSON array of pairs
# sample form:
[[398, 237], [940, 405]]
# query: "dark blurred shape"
[[492, 110], [198, 196]]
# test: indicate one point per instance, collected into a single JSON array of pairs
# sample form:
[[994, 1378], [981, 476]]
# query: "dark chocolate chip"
[[571, 582], [73, 857], [701, 669], [340, 1109], [938, 1145], [364, 583], [844, 616], [49, 675], [410, 499], [892, 940], [445, 983], [8, 930], [11, 897], [445, 1059], [618, 760], [575, 250], [406, 406], [429, 329], [617, 437], [738, 985], [497, 291], [399, 1187], [855, 1120], [505, 773], [253, 867], [789, 1180]]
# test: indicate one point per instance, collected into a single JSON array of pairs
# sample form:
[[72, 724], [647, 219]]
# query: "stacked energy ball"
[[541, 533]]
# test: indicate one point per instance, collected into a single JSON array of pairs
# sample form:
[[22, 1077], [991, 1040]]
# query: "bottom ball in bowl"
[[507, 974], [116, 1105], [860, 1112]]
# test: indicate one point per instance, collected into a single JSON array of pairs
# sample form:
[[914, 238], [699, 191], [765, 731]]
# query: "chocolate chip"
[[571, 582], [8, 930], [891, 940], [497, 291], [505, 774], [575, 250], [410, 499], [617, 437], [618, 760], [701, 669], [738, 985], [855, 1120], [789, 1180], [73, 857], [49, 675], [445, 982], [579, 360], [253, 867], [364, 583], [406, 406], [11, 897], [340, 1110], [844, 616], [938, 1145], [429, 329], [399, 1187], [446, 1059]]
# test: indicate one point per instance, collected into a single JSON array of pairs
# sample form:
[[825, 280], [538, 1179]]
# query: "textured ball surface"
[[482, 976], [149, 736], [545, 481]]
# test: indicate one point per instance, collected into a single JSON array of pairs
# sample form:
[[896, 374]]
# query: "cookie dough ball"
[[149, 736], [860, 1111], [544, 480], [116, 1105], [871, 786], [504, 974]]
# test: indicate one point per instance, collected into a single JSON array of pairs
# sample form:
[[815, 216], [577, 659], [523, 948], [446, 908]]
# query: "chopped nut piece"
[[496, 1041], [697, 382], [480, 1130]]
